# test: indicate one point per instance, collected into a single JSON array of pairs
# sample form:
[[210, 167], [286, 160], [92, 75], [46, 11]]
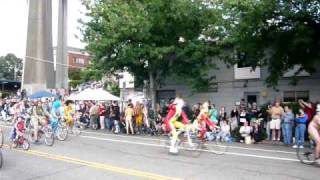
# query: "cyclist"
[[171, 121], [55, 113], [69, 113], [203, 121], [18, 128], [37, 115], [314, 132]]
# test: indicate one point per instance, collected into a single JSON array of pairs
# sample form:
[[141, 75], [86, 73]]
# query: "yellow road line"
[[95, 165]]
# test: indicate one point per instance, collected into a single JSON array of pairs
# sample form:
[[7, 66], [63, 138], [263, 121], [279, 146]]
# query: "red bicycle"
[[21, 141]]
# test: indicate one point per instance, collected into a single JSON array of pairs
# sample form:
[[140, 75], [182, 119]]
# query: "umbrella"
[[41, 94]]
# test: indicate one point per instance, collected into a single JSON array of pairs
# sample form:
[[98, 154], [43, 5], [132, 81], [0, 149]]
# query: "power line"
[[50, 62]]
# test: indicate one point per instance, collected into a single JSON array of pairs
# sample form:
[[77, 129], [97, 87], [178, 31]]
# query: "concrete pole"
[[61, 56], [38, 73]]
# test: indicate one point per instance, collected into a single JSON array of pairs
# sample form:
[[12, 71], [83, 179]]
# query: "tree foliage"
[[279, 34], [160, 38], [79, 76], [10, 67]]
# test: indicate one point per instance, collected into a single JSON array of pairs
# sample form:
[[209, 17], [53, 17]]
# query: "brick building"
[[77, 58]]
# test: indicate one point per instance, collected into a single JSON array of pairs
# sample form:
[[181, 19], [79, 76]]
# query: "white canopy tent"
[[93, 95]]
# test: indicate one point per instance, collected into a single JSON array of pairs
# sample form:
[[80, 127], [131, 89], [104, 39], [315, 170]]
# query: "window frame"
[[296, 96]]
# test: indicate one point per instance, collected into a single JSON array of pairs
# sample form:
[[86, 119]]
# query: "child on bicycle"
[[18, 129]]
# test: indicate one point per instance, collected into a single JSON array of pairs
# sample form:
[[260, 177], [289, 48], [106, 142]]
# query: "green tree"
[[10, 67], [278, 34], [153, 39], [79, 76]]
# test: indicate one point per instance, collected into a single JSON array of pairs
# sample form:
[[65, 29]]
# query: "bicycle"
[[306, 155], [45, 133], [187, 141], [59, 129], [21, 141], [76, 128], [219, 142]]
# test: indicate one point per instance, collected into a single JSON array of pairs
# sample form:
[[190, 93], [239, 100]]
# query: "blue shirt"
[[302, 120], [288, 117], [213, 115]]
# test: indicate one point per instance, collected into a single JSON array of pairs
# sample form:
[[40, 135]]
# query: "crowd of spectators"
[[245, 123]]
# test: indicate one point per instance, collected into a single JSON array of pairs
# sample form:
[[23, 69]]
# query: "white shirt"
[[246, 130]]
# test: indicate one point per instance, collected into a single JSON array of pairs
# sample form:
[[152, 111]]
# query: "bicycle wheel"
[[48, 136], [76, 130], [62, 132], [25, 145], [1, 159], [1, 138], [306, 155], [195, 147], [31, 136]]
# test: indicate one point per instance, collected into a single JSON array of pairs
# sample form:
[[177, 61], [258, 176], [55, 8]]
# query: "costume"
[[171, 121], [175, 111], [68, 115], [55, 113], [203, 120]]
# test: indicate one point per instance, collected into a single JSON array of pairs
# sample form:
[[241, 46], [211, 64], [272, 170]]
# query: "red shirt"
[[310, 112], [102, 110]]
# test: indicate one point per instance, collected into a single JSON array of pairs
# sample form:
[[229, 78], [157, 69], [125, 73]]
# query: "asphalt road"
[[99, 155]]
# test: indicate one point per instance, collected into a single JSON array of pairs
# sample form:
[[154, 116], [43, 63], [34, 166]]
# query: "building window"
[[243, 70], [294, 96], [78, 60], [242, 60]]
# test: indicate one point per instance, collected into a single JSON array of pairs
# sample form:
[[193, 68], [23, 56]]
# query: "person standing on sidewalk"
[[102, 115], [288, 120], [94, 114], [276, 113], [129, 113], [301, 121]]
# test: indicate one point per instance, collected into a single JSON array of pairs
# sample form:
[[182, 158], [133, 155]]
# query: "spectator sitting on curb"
[[245, 132], [225, 134]]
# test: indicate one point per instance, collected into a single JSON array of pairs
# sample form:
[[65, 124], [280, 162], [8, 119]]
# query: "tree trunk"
[[153, 89]]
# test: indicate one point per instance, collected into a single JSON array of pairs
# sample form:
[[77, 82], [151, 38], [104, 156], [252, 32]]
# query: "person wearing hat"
[[314, 132], [301, 121]]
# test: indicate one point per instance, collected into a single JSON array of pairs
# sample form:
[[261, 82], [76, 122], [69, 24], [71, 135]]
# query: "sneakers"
[[173, 150], [296, 146]]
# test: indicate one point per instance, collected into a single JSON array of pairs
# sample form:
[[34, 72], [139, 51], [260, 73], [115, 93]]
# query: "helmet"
[[56, 104]]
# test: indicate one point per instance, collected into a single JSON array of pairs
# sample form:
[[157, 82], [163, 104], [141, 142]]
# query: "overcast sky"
[[14, 20]]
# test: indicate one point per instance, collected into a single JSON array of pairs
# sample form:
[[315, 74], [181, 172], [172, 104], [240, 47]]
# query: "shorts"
[[275, 124], [139, 121], [69, 122]]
